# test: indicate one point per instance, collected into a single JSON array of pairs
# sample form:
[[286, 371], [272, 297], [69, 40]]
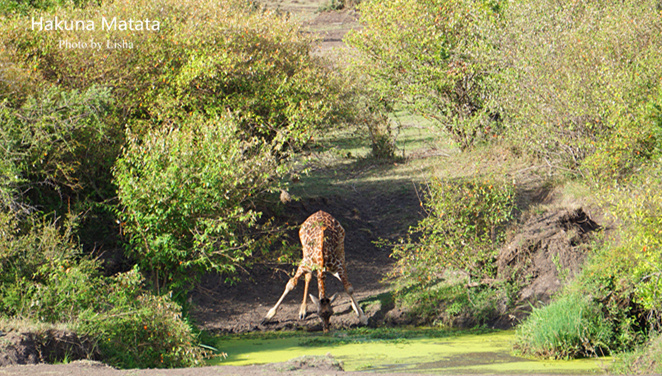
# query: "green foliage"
[[57, 147], [40, 269], [644, 360], [633, 142], [463, 228], [9, 7], [432, 56], [369, 110], [207, 57], [622, 278], [207, 60], [583, 94], [631, 262], [452, 303], [45, 278], [571, 326], [140, 330], [578, 79], [461, 233], [186, 196]]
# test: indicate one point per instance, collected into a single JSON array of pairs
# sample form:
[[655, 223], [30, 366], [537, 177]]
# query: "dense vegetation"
[[166, 154], [576, 88], [161, 156]]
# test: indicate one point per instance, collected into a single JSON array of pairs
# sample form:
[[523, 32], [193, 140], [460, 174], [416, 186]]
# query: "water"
[[397, 350]]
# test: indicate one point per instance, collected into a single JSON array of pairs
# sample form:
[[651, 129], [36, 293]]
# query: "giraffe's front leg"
[[291, 284], [302, 310]]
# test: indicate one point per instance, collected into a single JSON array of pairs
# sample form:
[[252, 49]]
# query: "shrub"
[[186, 198], [432, 57], [44, 278], [58, 148], [577, 79], [139, 330], [208, 60], [460, 235], [461, 232], [367, 109], [571, 326], [40, 269], [206, 57], [630, 261]]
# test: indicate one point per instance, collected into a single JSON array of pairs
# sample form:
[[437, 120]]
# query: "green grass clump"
[[571, 326], [453, 304]]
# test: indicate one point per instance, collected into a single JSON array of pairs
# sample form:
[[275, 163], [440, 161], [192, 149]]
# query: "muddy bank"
[[324, 365]]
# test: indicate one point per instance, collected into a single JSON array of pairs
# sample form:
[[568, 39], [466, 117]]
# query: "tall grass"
[[571, 326]]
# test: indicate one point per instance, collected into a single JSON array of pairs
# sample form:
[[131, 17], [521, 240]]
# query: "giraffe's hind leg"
[[363, 319]]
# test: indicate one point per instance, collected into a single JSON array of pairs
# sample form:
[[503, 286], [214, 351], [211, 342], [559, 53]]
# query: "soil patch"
[[547, 250], [47, 347], [332, 26]]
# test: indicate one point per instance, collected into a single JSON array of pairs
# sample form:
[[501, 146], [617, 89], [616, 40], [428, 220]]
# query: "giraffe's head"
[[324, 310]]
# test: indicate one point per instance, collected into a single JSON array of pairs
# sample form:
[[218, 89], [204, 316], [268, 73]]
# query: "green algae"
[[398, 350]]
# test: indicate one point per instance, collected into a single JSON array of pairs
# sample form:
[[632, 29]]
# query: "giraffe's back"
[[323, 240]]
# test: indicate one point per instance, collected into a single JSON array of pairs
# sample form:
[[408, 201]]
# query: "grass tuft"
[[569, 327]]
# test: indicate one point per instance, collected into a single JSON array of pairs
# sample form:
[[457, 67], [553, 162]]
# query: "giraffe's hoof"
[[302, 315], [270, 314]]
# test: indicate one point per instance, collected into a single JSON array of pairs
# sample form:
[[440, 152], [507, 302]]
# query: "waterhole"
[[397, 350]]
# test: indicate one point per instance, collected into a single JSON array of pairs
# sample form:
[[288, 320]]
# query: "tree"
[[432, 55]]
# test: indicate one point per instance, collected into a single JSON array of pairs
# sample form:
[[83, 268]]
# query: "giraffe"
[[323, 241]]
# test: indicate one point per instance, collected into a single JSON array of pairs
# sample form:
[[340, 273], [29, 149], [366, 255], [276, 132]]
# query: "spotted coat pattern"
[[322, 229], [323, 241]]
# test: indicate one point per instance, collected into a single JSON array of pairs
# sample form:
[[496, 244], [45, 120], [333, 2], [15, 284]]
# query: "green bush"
[[58, 148], [206, 57], [367, 109], [139, 330], [433, 56], [571, 326], [577, 79], [208, 60], [186, 196], [462, 230], [45, 278], [630, 260], [40, 268]]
